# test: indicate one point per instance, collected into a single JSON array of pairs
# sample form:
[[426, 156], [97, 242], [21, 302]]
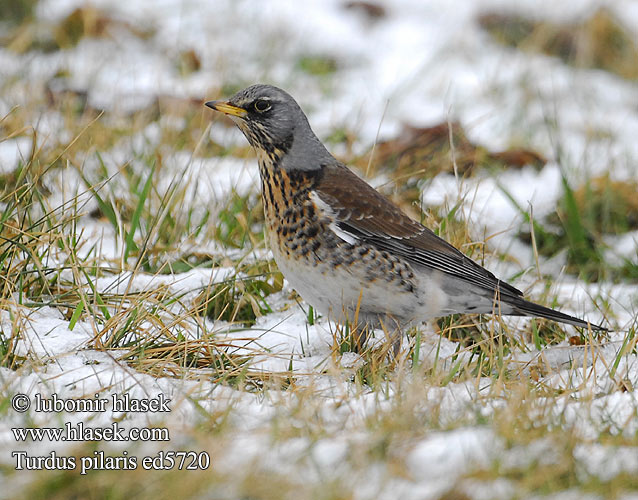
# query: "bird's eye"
[[261, 105]]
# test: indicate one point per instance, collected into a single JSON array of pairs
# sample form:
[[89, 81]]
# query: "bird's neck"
[[300, 156], [271, 169]]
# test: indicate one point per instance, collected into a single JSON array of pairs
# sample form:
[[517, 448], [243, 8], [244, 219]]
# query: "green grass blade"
[[135, 220], [76, 314], [576, 232]]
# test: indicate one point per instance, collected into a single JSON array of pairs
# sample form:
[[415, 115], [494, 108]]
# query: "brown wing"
[[369, 216]]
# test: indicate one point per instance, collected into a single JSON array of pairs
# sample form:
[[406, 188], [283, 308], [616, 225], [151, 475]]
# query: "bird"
[[348, 250]]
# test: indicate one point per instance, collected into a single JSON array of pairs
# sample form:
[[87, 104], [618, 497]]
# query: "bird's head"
[[274, 125]]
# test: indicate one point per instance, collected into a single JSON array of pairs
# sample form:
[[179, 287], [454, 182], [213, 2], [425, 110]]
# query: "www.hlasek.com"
[[99, 460]]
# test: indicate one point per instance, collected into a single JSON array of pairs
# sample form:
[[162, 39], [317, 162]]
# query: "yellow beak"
[[227, 108]]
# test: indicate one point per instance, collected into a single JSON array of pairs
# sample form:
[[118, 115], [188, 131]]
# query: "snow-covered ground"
[[423, 63]]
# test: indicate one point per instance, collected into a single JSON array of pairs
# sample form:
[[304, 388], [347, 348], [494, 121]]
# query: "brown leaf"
[[419, 153], [373, 11]]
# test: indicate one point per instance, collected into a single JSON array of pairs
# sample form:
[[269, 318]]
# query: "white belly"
[[338, 293]]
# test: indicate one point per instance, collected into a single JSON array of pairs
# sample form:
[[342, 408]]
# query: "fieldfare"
[[346, 248]]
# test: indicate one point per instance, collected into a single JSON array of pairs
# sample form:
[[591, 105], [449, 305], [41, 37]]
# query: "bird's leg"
[[393, 332], [360, 336]]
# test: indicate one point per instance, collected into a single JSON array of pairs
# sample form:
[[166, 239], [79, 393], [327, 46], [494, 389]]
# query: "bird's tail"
[[522, 307]]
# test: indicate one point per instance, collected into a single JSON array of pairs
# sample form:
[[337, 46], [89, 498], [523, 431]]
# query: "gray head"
[[275, 125]]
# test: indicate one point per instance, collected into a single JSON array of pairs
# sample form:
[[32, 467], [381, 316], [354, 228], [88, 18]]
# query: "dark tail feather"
[[523, 307]]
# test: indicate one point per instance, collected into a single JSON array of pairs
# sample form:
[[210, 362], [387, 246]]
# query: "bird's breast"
[[329, 270], [293, 223]]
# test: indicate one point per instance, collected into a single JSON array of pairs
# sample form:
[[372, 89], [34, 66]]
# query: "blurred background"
[[544, 93]]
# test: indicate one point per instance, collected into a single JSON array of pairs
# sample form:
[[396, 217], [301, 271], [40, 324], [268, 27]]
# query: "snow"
[[433, 458], [13, 152], [425, 63]]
